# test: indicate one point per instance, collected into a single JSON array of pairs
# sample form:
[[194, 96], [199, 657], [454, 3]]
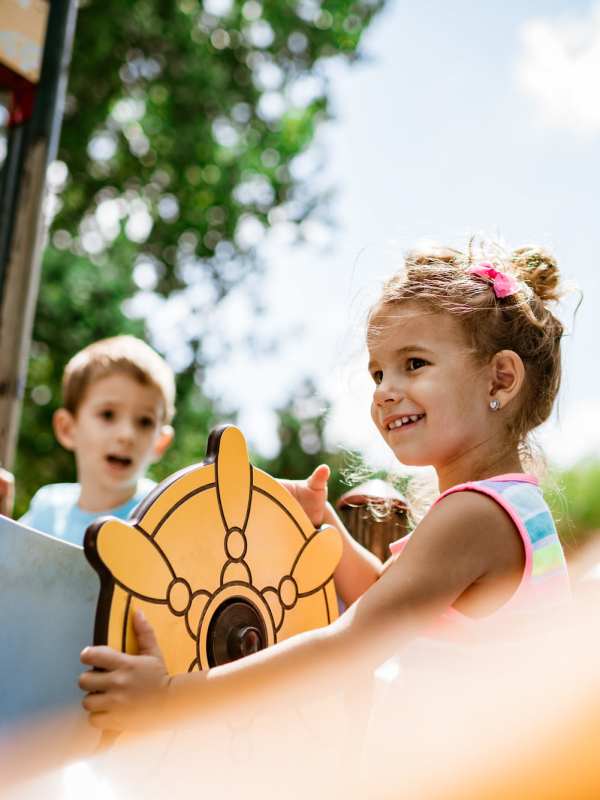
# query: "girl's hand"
[[311, 493], [129, 690]]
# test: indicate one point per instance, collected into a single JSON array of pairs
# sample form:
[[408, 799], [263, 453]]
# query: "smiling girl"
[[465, 358]]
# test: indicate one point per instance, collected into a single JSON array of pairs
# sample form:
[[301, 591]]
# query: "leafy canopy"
[[180, 147]]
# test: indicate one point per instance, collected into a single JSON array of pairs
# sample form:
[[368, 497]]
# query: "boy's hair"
[[437, 277], [118, 354]]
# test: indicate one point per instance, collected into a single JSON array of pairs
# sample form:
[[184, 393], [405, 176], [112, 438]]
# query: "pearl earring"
[[495, 404]]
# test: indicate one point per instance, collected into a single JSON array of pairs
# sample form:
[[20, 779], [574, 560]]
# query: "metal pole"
[[31, 147]]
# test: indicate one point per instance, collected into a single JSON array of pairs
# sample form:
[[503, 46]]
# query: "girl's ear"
[[63, 423], [165, 437], [508, 375]]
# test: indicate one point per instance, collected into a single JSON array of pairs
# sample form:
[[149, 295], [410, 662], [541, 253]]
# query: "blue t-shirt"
[[54, 510]]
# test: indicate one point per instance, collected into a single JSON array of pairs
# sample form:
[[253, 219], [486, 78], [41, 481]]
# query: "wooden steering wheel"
[[222, 560]]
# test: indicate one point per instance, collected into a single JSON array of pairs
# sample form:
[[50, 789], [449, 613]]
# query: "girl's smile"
[[397, 422]]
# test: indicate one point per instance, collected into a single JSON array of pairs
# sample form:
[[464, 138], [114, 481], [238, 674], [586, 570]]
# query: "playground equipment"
[[35, 48], [48, 594], [377, 515], [220, 557]]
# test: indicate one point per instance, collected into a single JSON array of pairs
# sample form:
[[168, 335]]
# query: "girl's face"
[[431, 398]]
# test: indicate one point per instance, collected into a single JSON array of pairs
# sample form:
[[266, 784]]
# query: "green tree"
[[180, 141], [302, 445], [575, 501]]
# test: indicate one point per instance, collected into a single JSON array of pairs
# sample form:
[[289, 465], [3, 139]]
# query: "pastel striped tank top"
[[545, 581]]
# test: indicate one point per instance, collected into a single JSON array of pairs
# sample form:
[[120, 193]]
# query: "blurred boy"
[[118, 401]]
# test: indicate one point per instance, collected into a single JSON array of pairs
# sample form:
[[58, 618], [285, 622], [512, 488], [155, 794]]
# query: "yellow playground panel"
[[220, 558]]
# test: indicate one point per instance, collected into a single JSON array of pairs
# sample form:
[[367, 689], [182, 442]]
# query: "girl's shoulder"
[[470, 508], [483, 531], [463, 539], [484, 516], [511, 486], [520, 498], [514, 488], [465, 522]]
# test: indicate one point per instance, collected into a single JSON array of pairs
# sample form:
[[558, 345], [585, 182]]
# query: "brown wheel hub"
[[236, 630]]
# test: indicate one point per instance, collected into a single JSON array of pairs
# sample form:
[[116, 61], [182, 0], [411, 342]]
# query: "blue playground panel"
[[48, 595]]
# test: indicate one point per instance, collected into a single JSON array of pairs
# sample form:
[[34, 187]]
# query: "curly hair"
[[437, 278]]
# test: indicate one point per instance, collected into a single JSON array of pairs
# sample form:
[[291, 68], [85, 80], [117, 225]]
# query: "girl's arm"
[[358, 568], [452, 549]]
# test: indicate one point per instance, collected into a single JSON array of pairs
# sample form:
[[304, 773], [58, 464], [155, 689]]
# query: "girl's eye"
[[146, 422], [377, 376], [108, 414], [413, 364]]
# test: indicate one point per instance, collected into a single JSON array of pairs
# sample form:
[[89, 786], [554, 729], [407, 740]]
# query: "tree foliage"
[[180, 145], [302, 445], [575, 503]]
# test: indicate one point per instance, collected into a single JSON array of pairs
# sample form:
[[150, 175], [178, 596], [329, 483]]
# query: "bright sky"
[[462, 117]]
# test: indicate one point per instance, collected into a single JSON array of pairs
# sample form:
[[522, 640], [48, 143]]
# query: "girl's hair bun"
[[536, 267]]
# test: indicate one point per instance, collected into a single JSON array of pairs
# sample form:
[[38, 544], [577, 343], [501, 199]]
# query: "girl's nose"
[[386, 392]]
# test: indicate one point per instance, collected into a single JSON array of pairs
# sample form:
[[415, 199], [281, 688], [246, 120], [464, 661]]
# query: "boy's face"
[[115, 434]]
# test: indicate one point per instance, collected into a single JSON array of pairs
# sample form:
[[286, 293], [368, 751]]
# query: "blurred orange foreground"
[[491, 720]]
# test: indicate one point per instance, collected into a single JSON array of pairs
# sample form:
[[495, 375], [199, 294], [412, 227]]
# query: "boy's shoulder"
[[144, 487], [50, 506], [56, 494]]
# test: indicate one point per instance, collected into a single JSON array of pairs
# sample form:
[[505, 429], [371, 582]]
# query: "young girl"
[[464, 354]]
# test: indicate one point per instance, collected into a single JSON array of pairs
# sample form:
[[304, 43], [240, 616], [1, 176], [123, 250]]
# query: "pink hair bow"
[[503, 285]]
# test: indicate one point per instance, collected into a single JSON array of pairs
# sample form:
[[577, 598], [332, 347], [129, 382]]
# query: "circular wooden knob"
[[244, 641], [236, 630]]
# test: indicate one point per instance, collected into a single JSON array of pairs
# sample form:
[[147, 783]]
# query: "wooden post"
[[34, 129], [376, 515]]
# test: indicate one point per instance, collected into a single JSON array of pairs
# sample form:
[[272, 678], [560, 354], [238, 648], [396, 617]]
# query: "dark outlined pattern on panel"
[[216, 543]]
